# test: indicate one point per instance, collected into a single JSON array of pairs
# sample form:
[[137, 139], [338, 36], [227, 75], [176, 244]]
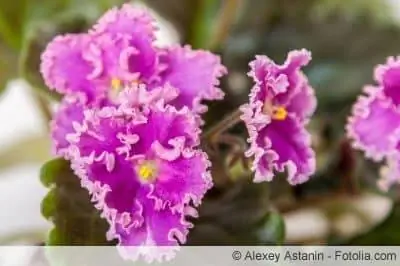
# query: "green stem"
[[228, 122]]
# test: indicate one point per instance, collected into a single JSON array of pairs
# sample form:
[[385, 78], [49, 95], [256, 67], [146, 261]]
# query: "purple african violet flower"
[[281, 103], [119, 51], [388, 77], [374, 125], [70, 111], [138, 159]]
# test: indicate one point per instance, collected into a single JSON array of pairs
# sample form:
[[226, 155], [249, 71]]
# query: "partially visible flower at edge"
[[281, 103], [120, 51], [141, 165], [374, 124]]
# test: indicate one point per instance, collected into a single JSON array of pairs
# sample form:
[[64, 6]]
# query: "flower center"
[[116, 87], [277, 112], [116, 84], [147, 171]]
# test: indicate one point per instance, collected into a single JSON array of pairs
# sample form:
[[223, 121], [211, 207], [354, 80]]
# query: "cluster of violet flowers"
[[130, 125]]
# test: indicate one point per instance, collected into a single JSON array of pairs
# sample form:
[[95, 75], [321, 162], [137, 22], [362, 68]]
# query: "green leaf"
[[11, 22], [76, 221]]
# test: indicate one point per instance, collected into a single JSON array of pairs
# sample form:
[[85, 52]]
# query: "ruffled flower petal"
[[281, 104], [126, 58], [157, 239], [278, 82], [137, 95], [374, 125], [120, 51], [304, 102], [194, 73], [69, 63], [165, 124], [66, 122], [127, 20], [142, 168], [388, 76], [135, 29], [175, 182], [282, 145]]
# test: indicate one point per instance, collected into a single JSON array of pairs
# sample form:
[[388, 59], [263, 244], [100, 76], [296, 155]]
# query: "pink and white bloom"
[[119, 51], [281, 103]]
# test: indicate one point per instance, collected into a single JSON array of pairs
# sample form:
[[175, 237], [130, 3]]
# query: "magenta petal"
[[374, 124], [279, 141], [194, 73], [279, 82], [113, 194], [291, 144], [65, 123], [142, 168], [304, 102], [127, 58], [388, 76], [164, 124], [278, 144], [136, 28], [185, 179], [68, 63], [127, 20], [158, 238]]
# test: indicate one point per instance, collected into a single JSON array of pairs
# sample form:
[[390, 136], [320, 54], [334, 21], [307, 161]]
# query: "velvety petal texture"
[[281, 103], [388, 76], [195, 73], [374, 125], [278, 82], [139, 160], [120, 51], [68, 65], [66, 122]]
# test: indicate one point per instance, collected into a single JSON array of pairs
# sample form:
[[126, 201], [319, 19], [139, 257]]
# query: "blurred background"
[[340, 205]]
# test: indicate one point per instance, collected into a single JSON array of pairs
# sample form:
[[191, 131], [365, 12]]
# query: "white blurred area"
[[21, 191], [20, 188]]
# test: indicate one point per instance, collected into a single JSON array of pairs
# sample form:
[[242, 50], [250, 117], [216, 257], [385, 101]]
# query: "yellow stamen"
[[147, 171], [279, 113], [116, 84]]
